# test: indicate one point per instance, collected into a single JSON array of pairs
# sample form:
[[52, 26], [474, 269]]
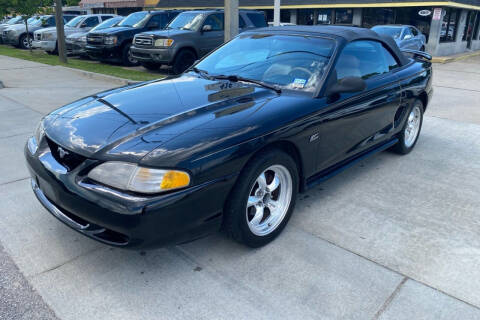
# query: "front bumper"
[[120, 219], [49, 45], [11, 38], [161, 56], [103, 52], [75, 48]]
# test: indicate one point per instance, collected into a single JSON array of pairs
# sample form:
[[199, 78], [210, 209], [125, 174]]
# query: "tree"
[[71, 3], [6, 7]]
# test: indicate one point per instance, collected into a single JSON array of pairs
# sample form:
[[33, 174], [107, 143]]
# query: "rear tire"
[[262, 200], [152, 66], [127, 58], [408, 137], [183, 60]]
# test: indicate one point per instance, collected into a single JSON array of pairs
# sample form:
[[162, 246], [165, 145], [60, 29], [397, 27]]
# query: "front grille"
[[94, 39], [66, 158], [143, 41]]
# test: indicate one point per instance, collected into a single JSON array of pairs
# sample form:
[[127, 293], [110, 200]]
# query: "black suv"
[[189, 36], [113, 44]]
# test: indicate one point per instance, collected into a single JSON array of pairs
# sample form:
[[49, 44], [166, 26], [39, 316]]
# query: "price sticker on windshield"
[[299, 83]]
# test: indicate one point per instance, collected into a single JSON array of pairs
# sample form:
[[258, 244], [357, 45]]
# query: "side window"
[[215, 20], [407, 32], [105, 18], [257, 19], [50, 22], [241, 22], [364, 59], [160, 20], [414, 32], [90, 22]]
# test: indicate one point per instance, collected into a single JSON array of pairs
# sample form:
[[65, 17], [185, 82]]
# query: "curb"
[[455, 58], [99, 76]]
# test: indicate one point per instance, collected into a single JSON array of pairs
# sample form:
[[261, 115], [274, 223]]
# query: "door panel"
[[214, 38]]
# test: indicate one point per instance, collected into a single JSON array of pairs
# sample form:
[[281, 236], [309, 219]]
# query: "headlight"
[[131, 177], [163, 42], [49, 36], [40, 132], [110, 40]]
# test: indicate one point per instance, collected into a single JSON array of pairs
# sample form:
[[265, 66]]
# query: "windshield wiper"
[[202, 73], [234, 78]]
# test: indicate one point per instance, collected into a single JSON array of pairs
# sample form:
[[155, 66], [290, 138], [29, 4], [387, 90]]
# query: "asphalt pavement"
[[391, 238]]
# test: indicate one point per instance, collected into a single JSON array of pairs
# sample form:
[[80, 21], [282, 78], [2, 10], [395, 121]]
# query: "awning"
[[115, 3]]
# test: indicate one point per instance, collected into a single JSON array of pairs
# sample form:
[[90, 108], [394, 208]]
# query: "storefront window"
[[468, 30], [376, 16], [449, 25], [477, 26], [343, 16], [324, 16]]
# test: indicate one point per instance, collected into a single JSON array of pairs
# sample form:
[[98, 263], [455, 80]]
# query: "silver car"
[[9, 23], [46, 38], [406, 37], [17, 36]]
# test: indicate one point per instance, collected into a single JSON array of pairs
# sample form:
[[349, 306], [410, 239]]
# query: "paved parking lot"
[[391, 238]]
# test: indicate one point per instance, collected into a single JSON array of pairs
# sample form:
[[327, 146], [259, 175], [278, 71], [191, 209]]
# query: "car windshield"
[[107, 24], [75, 22], [135, 20], [290, 62], [393, 32], [186, 21], [14, 20], [36, 21]]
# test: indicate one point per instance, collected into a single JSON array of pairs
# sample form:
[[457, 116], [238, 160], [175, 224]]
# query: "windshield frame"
[[320, 85], [136, 24]]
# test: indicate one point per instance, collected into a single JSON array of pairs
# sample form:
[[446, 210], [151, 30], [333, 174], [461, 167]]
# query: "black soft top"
[[343, 34]]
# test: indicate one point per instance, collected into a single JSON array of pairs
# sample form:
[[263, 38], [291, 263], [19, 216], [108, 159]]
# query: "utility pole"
[[62, 54], [231, 19], [276, 13]]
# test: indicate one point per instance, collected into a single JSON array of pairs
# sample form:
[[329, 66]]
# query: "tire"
[[422, 48], [240, 216], [183, 60], [127, 58], [151, 65], [407, 141], [22, 42]]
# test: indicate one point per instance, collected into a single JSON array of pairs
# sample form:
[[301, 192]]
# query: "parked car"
[[192, 34], [406, 37], [232, 141], [9, 23], [77, 42], [113, 44], [16, 35], [46, 38]]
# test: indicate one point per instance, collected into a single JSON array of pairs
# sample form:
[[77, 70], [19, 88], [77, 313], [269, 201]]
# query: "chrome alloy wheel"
[[269, 200], [413, 126], [27, 42]]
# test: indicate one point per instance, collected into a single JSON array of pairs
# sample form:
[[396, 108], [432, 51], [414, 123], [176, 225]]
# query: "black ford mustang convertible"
[[231, 142]]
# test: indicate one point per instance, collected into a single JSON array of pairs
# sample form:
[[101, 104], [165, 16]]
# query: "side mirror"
[[347, 85], [407, 37], [206, 28]]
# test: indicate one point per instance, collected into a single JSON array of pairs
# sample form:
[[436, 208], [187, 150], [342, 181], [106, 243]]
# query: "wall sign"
[[437, 14], [425, 13]]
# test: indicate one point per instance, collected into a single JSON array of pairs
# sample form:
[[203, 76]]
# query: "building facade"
[[451, 27]]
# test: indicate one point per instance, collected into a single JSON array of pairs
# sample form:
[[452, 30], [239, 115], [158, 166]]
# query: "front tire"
[[184, 60], [25, 41], [127, 58], [262, 200], [408, 137]]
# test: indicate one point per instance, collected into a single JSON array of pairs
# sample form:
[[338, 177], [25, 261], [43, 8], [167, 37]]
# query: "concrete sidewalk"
[[392, 238]]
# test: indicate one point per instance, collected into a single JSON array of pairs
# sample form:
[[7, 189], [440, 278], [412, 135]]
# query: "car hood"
[[168, 115], [114, 30], [76, 35], [49, 29], [168, 33]]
